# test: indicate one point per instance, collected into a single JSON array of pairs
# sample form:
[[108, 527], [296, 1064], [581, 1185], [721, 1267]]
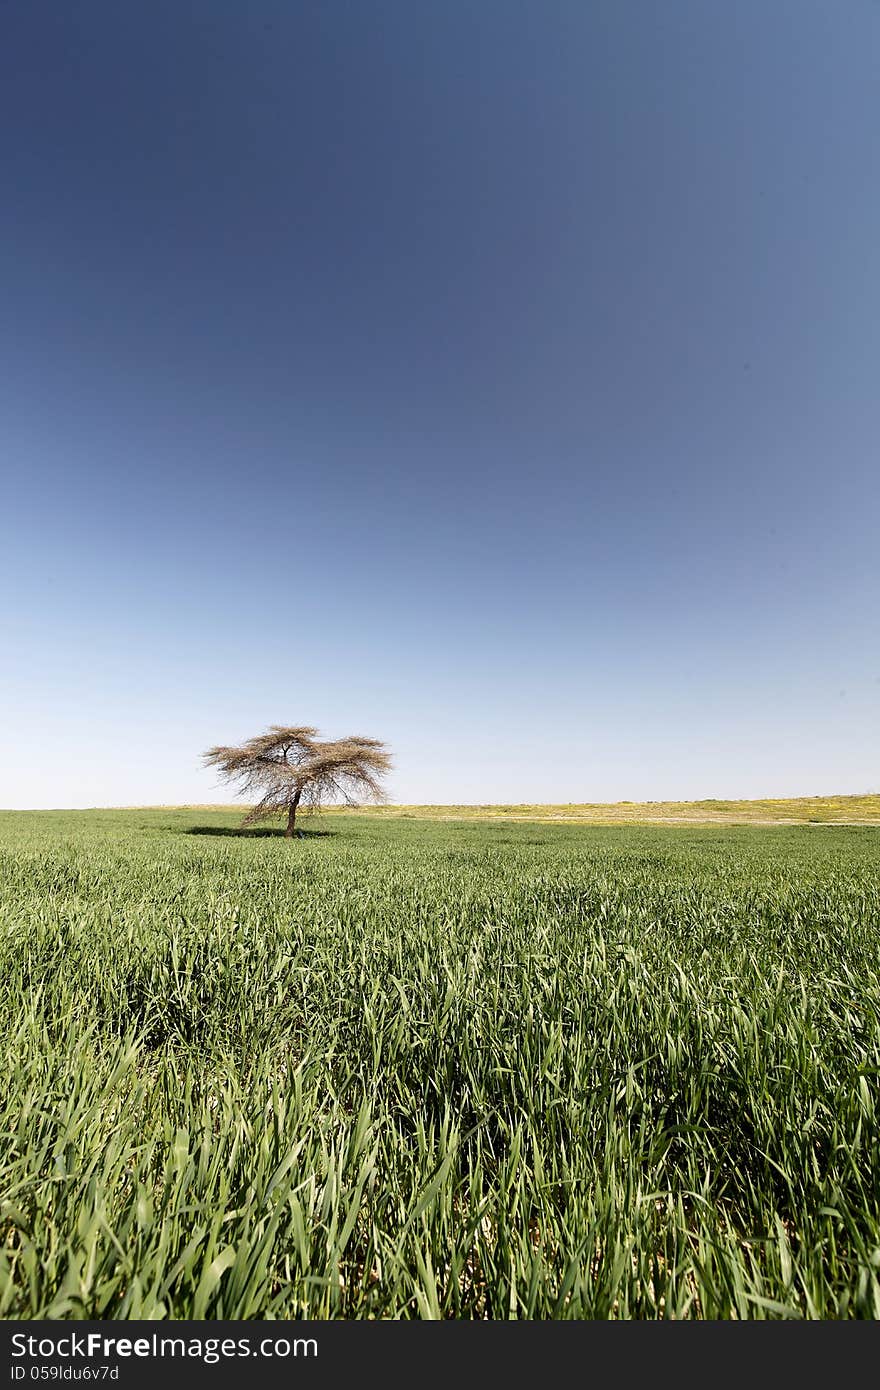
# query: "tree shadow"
[[257, 833]]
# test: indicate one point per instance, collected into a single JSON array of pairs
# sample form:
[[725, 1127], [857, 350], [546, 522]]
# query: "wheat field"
[[409, 1068]]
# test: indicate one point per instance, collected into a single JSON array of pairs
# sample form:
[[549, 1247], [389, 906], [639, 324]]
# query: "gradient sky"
[[496, 378]]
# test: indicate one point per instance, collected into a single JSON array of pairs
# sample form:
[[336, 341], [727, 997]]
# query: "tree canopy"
[[288, 768]]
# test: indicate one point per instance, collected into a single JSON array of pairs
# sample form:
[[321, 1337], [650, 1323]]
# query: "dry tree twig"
[[290, 768]]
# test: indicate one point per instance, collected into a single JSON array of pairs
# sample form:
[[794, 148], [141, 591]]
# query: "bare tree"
[[288, 768]]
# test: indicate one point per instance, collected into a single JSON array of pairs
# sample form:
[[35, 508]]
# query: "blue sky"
[[497, 379]]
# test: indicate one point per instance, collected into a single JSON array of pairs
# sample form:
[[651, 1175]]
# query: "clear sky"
[[496, 378]]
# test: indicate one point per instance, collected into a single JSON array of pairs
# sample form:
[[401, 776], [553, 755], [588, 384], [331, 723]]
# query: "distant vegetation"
[[437, 1070], [819, 809]]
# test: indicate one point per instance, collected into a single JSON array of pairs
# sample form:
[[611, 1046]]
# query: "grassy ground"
[[824, 810], [817, 810], [414, 1068]]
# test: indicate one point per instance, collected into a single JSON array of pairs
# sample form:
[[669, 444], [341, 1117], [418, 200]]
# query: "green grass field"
[[417, 1068]]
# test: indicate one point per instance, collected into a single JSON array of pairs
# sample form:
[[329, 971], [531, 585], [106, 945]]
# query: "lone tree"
[[289, 768]]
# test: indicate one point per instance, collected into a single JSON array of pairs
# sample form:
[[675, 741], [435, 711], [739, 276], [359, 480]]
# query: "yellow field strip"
[[816, 810]]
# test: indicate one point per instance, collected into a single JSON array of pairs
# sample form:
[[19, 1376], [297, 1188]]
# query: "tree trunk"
[[291, 817]]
